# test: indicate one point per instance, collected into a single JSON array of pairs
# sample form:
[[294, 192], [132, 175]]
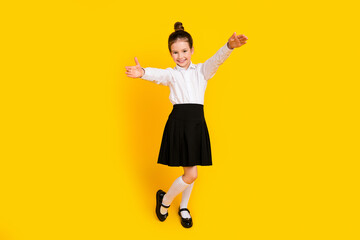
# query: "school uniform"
[[185, 140]]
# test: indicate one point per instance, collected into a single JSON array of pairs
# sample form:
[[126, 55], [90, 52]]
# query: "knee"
[[193, 177], [190, 174], [190, 178]]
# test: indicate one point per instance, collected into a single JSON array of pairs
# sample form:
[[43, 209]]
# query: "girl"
[[185, 140]]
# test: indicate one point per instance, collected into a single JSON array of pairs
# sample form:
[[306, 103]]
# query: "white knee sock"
[[185, 200], [177, 187]]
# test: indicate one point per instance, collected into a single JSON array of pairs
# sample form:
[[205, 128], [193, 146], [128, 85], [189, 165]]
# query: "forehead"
[[179, 45]]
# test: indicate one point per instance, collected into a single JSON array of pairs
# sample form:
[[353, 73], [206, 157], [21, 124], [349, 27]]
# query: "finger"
[[129, 75], [234, 35], [136, 61], [242, 38]]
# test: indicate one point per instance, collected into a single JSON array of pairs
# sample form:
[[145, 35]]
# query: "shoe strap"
[[184, 209], [165, 205]]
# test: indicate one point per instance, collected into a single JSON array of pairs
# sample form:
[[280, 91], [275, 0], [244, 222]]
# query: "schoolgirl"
[[185, 140]]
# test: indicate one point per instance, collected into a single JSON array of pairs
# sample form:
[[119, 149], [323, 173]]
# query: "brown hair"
[[179, 33]]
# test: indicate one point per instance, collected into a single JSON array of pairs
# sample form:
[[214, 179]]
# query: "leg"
[[177, 187], [191, 175]]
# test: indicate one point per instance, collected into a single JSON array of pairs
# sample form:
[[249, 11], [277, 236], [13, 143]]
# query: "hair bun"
[[178, 26]]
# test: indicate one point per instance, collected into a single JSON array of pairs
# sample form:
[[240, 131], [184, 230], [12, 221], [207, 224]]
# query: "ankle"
[[165, 201]]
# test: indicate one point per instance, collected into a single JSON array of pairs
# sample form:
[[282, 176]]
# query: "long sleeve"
[[211, 65], [157, 75]]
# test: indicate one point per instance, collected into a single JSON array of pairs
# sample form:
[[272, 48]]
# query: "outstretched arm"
[[159, 76], [211, 65]]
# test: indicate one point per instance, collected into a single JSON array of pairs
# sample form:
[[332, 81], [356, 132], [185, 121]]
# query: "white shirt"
[[188, 85]]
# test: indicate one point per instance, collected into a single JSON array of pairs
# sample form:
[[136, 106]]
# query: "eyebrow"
[[180, 50]]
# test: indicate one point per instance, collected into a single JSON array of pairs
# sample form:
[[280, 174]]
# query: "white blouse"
[[188, 85]]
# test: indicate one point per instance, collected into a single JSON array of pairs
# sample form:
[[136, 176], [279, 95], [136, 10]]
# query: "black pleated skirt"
[[185, 141]]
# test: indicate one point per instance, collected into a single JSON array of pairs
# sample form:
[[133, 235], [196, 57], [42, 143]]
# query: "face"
[[181, 53]]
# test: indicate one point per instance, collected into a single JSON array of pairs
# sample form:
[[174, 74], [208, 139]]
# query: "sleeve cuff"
[[227, 48], [142, 77]]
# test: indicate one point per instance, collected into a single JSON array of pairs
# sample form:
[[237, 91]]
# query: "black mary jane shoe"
[[185, 222], [159, 197]]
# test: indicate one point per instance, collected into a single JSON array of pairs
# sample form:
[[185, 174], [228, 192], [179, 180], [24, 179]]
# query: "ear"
[[192, 50]]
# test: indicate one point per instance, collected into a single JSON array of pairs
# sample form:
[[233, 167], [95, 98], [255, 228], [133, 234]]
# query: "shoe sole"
[[158, 204]]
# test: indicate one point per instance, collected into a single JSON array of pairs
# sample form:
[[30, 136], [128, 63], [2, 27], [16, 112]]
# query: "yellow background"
[[80, 139]]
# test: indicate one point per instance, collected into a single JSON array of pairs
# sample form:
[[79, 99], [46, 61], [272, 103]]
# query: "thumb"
[[234, 35], [136, 61]]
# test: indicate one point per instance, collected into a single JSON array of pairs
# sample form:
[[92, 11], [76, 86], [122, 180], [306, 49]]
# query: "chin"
[[183, 64]]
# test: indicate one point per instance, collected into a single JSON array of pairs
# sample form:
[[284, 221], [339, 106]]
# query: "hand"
[[135, 71], [237, 41]]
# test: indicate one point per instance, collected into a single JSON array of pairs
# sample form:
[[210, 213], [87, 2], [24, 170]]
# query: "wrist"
[[143, 71], [228, 45]]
